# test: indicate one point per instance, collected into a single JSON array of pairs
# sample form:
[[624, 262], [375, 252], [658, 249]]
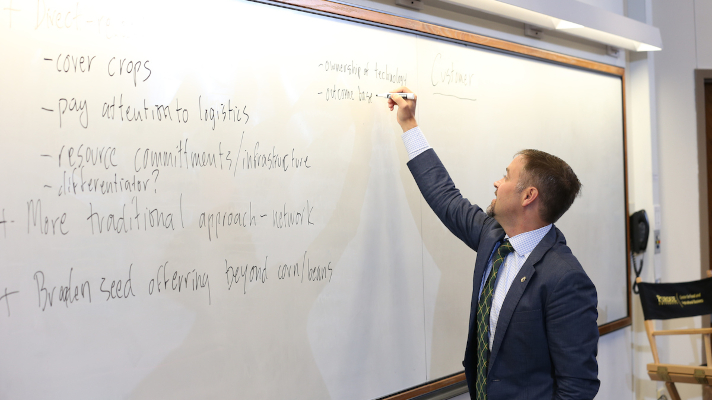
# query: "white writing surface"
[[208, 201]]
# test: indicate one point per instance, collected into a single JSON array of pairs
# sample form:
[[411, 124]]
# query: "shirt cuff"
[[415, 142]]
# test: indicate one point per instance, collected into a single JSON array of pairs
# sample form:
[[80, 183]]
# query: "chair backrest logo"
[[684, 300]]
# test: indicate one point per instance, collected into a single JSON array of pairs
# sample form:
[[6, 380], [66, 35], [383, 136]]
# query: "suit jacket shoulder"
[[465, 220]]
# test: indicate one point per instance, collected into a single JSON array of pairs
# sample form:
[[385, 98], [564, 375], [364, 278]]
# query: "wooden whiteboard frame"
[[337, 10]]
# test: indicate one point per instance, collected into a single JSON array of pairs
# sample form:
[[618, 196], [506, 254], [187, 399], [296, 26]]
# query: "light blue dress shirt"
[[523, 245]]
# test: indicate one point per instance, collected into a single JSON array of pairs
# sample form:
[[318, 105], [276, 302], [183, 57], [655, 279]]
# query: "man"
[[533, 331]]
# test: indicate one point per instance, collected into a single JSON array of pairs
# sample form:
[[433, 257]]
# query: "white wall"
[[703, 28], [643, 189]]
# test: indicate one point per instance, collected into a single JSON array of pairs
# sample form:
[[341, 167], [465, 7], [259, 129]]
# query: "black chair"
[[677, 300]]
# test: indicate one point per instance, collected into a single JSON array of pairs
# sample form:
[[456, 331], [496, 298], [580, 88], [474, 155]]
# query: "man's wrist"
[[415, 142], [408, 125]]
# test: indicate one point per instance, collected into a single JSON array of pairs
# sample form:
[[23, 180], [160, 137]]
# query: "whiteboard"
[[209, 201]]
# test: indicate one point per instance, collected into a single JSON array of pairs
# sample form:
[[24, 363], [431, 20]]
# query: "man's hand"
[[406, 109]]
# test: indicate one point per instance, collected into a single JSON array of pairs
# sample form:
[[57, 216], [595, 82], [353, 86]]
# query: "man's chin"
[[490, 210]]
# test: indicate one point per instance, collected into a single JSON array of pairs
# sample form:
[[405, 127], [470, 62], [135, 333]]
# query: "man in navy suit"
[[533, 331]]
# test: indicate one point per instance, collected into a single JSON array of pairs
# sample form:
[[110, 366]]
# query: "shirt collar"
[[524, 243]]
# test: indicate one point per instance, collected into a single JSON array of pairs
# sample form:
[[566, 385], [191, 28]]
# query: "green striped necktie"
[[483, 317]]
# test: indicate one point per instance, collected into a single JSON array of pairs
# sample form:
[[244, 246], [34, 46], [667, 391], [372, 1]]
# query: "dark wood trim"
[[703, 102], [615, 325], [707, 115], [427, 388], [704, 153], [431, 29], [628, 320], [629, 296]]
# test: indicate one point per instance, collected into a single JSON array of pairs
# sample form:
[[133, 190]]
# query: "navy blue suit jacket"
[[546, 339]]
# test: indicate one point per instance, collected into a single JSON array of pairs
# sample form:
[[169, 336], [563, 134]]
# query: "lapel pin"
[[524, 279]]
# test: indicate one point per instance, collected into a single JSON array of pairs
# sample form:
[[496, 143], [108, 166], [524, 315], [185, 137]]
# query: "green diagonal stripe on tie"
[[483, 316]]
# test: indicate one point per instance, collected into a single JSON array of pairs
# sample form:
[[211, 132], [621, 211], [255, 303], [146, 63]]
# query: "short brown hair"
[[556, 182]]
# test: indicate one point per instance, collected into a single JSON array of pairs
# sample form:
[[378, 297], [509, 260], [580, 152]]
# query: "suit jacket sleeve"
[[573, 336], [461, 217]]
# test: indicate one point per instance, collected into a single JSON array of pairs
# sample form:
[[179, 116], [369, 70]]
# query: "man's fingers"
[[398, 100]]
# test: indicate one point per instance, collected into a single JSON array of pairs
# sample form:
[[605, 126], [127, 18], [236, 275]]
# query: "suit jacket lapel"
[[517, 290]]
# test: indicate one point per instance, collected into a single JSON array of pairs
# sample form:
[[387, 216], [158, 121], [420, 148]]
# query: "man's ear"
[[529, 195]]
